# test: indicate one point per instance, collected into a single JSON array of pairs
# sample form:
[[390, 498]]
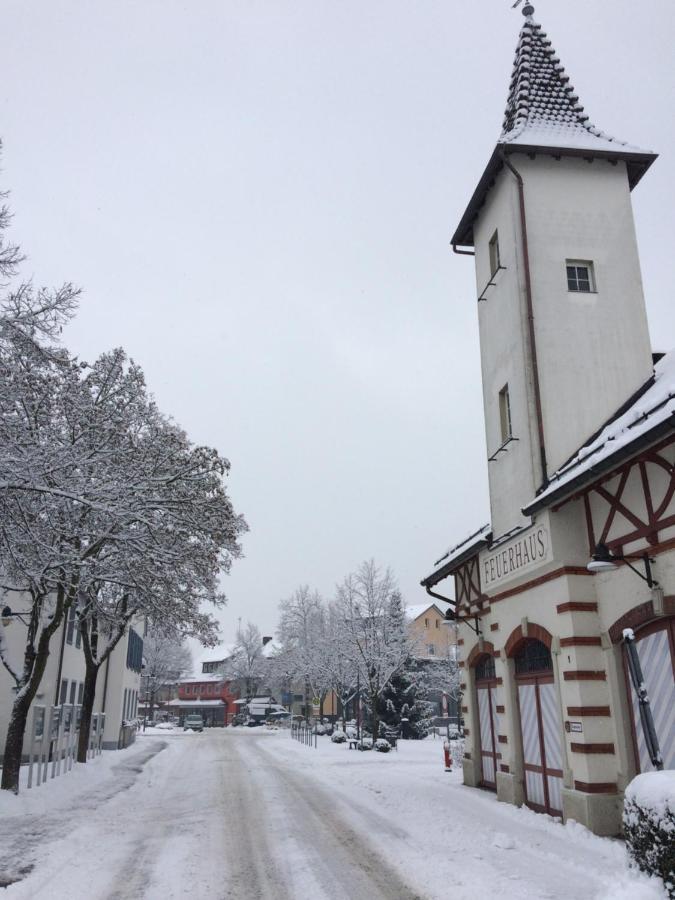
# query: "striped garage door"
[[489, 729], [541, 727], [656, 649]]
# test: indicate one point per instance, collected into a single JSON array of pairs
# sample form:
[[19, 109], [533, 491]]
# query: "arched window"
[[533, 657], [485, 669]]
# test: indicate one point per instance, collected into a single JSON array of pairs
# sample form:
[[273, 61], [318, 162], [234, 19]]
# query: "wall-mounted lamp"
[[603, 560]]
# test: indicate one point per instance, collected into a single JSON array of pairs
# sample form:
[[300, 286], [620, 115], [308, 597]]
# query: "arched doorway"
[[655, 644], [488, 719], [540, 727]]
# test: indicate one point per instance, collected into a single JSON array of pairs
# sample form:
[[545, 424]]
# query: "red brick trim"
[[460, 642], [592, 748], [550, 576], [584, 711], [502, 738], [503, 768], [461, 664], [467, 756], [462, 686], [465, 709], [606, 787], [500, 680], [516, 638], [579, 641], [500, 710], [467, 732], [639, 615], [476, 655], [584, 675], [494, 626], [576, 606]]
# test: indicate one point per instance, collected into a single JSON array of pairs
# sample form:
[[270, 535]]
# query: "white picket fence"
[[54, 733]]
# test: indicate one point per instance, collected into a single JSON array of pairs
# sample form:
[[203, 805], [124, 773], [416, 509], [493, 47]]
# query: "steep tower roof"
[[543, 115], [542, 106]]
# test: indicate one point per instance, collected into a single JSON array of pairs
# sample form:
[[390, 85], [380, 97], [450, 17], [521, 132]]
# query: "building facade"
[[117, 688], [580, 431]]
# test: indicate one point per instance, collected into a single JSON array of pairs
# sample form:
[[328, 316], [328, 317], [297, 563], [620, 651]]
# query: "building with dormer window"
[[573, 580]]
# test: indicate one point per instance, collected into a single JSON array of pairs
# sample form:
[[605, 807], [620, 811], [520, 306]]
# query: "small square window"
[[494, 253], [580, 277], [505, 414]]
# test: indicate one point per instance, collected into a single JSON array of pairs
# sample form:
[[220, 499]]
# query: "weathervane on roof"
[[528, 9]]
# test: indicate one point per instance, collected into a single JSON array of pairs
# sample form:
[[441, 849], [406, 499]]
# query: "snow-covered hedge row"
[[382, 745], [338, 737], [649, 823]]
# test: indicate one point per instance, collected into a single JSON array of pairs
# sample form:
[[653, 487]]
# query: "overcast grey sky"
[[257, 198]]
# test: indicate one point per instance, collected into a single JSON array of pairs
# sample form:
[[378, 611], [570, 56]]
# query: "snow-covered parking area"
[[246, 813]]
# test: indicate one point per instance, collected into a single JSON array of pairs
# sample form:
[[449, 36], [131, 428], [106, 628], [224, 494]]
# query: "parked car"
[[195, 723]]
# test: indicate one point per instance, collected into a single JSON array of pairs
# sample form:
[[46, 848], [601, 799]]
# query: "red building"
[[209, 695]]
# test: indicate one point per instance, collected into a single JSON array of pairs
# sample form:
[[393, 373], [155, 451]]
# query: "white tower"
[[562, 321]]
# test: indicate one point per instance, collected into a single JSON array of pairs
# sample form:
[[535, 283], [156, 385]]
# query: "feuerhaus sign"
[[512, 559]]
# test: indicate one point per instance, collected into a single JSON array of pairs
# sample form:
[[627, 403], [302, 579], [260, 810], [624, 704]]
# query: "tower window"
[[505, 413], [494, 253], [580, 278]]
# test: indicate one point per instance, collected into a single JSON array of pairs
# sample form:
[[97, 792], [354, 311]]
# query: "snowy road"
[[249, 815]]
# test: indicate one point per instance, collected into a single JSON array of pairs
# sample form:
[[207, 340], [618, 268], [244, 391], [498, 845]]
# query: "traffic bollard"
[[448, 757]]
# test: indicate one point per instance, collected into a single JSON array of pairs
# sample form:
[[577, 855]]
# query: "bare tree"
[[104, 503], [247, 664], [375, 636], [303, 636], [166, 660]]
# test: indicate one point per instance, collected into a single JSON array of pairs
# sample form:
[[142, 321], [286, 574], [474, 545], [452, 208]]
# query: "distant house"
[[209, 695]]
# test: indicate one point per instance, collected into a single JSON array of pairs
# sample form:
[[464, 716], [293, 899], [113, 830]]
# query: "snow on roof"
[[543, 107], [202, 677], [418, 609], [543, 114], [654, 408], [195, 702], [461, 550], [271, 648]]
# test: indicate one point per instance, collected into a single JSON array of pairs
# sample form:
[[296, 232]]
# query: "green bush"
[[649, 825]]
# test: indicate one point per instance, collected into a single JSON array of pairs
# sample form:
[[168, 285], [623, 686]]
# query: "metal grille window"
[[485, 669], [534, 657], [580, 276]]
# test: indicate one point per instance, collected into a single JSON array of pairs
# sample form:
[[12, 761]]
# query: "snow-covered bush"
[[366, 744], [319, 729], [382, 745], [649, 824], [338, 737]]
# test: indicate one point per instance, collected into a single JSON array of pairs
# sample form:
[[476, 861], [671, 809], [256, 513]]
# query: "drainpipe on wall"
[[463, 252], [530, 317]]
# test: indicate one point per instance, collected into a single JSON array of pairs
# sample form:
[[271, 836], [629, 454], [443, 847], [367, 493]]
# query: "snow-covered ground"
[[246, 813]]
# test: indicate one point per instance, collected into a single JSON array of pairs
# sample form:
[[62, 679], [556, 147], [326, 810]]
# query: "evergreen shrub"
[[649, 825]]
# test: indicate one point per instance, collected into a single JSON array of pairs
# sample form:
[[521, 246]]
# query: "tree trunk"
[[88, 698], [374, 715], [152, 706], [35, 662], [11, 765]]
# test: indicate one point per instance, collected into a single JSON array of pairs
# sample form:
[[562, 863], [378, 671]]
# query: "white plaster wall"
[[593, 349], [119, 679], [513, 476]]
